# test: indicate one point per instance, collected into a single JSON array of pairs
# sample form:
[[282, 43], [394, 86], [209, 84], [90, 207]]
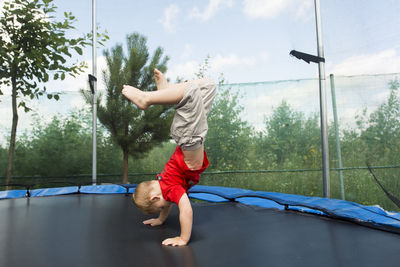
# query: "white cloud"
[[187, 51], [387, 61], [272, 8], [185, 70], [264, 8], [305, 10], [219, 62], [264, 56], [169, 19], [211, 9], [353, 94], [260, 99], [298, 95]]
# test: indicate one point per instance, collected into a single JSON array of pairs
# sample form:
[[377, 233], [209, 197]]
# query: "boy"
[[193, 101]]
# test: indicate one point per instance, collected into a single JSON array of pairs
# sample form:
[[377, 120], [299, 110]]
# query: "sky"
[[248, 41]]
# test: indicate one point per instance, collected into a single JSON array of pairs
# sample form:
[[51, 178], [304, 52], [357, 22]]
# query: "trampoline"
[[99, 226]]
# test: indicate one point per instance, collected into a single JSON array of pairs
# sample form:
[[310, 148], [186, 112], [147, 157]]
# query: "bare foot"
[[135, 95], [161, 81]]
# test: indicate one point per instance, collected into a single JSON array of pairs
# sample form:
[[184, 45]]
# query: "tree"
[[290, 135], [49, 146], [229, 136], [134, 130], [44, 150], [34, 45], [382, 133]]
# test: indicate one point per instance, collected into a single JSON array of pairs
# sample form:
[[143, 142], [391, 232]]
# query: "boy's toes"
[[157, 72]]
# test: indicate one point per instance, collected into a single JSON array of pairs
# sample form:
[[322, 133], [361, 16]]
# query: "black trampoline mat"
[[107, 230]]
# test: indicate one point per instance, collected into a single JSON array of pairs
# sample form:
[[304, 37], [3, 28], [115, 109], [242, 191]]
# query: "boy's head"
[[148, 197]]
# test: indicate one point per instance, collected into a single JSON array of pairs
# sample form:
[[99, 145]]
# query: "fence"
[[277, 140]]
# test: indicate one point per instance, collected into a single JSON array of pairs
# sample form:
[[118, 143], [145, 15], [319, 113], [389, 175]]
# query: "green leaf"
[[49, 96], [56, 76], [56, 97], [78, 50], [62, 76]]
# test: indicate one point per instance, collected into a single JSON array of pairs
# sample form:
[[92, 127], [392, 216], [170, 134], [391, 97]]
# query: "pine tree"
[[134, 130]]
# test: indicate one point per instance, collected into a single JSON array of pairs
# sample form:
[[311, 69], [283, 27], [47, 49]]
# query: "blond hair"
[[141, 197]]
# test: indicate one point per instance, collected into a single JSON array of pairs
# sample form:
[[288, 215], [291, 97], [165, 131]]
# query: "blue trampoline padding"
[[54, 191], [228, 193], [12, 194], [266, 203], [331, 207], [316, 205], [208, 197], [103, 189]]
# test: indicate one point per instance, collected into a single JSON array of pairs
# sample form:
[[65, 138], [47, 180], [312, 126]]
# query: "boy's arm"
[[164, 213], [186, 220], [161, 218]]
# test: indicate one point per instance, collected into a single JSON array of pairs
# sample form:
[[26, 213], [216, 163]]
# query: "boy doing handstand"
[[193, 101]]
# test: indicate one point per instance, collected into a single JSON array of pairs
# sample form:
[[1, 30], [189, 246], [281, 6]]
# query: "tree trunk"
[[125, 177], [13, 132]]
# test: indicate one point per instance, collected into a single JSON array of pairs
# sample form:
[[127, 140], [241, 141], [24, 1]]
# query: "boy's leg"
[[160, 79], [170, 95], [189, 127], [166, 94], [208, 91]]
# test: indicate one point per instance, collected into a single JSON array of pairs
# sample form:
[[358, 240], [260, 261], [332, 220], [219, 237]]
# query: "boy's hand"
[[176, 241], [161, 219], [153, 222]]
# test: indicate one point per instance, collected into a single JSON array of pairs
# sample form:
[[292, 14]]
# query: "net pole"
[[322, 94], [94, 118], [336, 122]]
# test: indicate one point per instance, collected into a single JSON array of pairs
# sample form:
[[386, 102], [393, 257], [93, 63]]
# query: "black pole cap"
[[92, 79], [306, 57]]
